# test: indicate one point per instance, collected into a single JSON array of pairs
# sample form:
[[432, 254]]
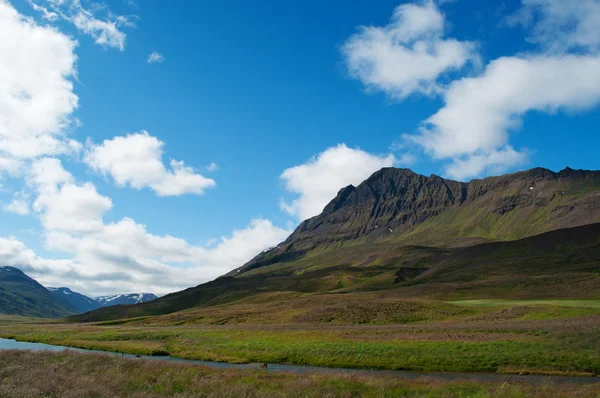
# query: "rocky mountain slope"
[[398, 204], [21, 295], [392, 230]]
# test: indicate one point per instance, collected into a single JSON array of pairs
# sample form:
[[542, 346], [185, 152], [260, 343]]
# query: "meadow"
[[75, 375], [523, 338]]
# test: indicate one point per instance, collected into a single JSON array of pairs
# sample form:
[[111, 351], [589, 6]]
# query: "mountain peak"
[[406, 204]]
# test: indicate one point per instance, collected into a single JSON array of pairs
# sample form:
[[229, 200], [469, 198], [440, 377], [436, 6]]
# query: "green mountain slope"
[[393, 233], [21, 295], [558, 264]]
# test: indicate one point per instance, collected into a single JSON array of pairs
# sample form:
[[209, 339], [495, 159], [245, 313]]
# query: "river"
[[7, 344]]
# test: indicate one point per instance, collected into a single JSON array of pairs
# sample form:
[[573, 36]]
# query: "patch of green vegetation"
[[466, 347]]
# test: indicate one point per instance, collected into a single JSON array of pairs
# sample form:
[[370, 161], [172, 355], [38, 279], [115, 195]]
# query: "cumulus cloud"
[[480, 112], [407, 56], [317, 181], [106, 30], [36, 106], [119, 256], [472, 130], [136, 160], [155, 58], [124, 257], [36, 91], [15, 253]]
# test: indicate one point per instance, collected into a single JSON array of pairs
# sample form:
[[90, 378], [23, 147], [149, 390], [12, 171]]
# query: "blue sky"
[[292, 101]]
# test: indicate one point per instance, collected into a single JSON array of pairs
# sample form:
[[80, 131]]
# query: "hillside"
[[21, 295], [394, 233], [558, 264], [80, 302]]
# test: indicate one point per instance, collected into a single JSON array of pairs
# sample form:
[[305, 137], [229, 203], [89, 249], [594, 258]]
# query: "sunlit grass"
[[484, 346]]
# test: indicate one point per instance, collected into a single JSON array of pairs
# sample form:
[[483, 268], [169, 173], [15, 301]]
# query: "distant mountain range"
[[84, 304], [78, 301], [130, 298], [22, 295]]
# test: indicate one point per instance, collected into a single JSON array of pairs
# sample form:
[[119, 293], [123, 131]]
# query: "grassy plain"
[[26, 374], [520, 337]]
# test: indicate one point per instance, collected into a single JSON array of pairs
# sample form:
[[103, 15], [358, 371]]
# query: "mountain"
[[126, 299], [78, 301], [394, 232], [21, 295], [399, 205], [85, 304]]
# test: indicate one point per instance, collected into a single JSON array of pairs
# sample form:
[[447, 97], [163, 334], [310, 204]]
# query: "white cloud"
[[123, 256], [479, 112], [136, 160], [15, 253], [46, 14], [213, 167], [10, 165], [318, 180], [64, 205], [407, 56], [36, 106], [560, 25], [36, 91], [494, 162], [155, 57], [472, 129], [47, 173], [106, 31], [19, 205]]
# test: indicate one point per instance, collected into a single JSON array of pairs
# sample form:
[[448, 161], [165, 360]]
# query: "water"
[[6, 344]]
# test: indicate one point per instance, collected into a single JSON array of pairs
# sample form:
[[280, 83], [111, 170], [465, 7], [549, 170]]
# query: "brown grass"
[[73, 375]]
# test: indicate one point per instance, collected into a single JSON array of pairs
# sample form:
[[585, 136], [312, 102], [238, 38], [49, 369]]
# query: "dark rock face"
[[394, 201], [391, 199]]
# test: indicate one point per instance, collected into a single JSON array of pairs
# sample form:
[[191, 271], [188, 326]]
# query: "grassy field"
[[26, 374], [509, 337], [492, 303]]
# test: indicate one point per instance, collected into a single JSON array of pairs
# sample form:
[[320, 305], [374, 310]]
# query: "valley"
[[436, 279]]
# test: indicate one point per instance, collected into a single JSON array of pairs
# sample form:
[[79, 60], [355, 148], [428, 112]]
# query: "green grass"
[[494, 340]]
